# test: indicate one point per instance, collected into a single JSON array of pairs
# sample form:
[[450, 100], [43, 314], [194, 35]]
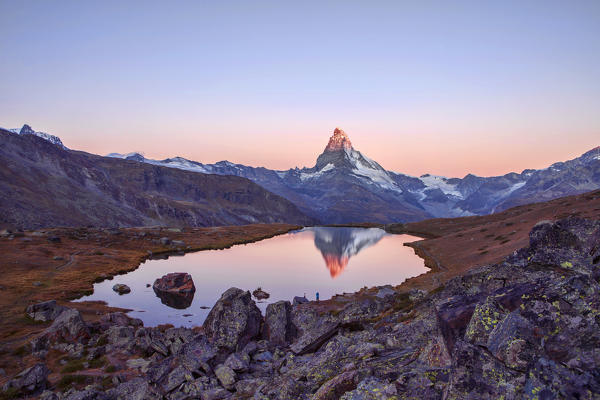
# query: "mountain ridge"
[[416, 198], [46, 185], [345, 186]]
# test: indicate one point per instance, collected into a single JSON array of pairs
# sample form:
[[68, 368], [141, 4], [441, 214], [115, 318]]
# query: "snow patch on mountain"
[[376, 176], [364, 167], [182, 163], [514, 187], [439, 182], [312, 175], [125, 156]]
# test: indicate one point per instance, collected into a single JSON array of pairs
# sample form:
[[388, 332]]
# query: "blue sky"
[[442, 87]]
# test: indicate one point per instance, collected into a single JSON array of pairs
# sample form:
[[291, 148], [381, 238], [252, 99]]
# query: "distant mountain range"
[[43, 184], [346, 186]]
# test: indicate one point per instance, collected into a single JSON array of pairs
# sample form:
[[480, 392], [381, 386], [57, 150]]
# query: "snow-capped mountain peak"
[[27, 130]]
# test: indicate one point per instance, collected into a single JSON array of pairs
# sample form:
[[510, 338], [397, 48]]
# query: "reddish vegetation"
[[456, 245]]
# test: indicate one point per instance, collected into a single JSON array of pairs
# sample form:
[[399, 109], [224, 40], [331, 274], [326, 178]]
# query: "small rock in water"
[[121, 288], [148, 285], [260, 294]]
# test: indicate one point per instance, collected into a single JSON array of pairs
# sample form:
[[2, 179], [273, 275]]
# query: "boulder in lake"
[[260, 294], [175, 290], [121, 288], [176, 282], [234, 320]]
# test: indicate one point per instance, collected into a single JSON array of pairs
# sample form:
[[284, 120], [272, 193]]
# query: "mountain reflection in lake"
[[337, 245], [285, 266]]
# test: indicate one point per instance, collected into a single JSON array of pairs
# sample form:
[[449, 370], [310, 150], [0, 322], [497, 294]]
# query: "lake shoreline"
[[413, 343]]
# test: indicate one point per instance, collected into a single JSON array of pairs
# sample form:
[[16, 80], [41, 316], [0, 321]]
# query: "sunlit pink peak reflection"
[[338, 245], [335, 263]]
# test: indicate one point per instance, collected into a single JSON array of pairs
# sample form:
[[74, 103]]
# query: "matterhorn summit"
[[339, 141]]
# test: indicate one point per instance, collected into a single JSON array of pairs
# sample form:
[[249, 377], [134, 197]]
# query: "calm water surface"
[[325, 260]]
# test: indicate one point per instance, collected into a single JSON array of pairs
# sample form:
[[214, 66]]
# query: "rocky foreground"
[[528, 327]]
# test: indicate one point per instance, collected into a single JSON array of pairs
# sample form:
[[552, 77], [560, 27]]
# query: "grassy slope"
[[456, 245]]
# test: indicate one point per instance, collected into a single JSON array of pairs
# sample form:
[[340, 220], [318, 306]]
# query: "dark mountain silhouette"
[[44, 184]]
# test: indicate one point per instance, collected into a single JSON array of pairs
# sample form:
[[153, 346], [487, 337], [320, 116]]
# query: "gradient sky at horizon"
[[421, 87]]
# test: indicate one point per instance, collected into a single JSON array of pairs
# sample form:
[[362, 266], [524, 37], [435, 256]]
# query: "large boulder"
[[69, 327], [337, 386], [175, 282], [30, 380], [371, 389], [514, 341], [454, 315], [278, 328], [476, 374], [175, 290], [226, 376], [135, 389], [570, 242], [45, 311], [485, 318], [233, 321], [314, 329]]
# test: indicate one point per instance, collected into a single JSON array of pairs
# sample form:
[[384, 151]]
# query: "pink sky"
[[410, 150], [421, 87]]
